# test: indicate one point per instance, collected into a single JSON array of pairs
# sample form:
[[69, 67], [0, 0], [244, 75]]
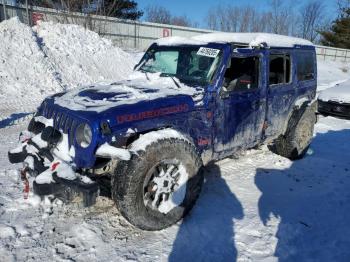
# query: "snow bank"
[[339, 93], [50, 58], [81, 56], [330, 73], [24, 69]]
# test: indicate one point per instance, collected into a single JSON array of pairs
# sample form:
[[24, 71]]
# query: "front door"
[[241, 106]]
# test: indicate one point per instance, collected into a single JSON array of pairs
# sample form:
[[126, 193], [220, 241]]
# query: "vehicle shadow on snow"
[[312, 201], [9, 120], [207, 234]]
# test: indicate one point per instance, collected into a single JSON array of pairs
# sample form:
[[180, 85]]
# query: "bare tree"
[[280, 17], [158, 14], [311, 19], [181, 21], [249, 19]]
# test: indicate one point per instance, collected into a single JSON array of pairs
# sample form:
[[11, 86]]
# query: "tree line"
[[309, 20]]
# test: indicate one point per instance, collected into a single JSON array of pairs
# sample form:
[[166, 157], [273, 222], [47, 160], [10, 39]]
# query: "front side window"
[[189, 64], [242, 74], [280, 69], [305, 66]]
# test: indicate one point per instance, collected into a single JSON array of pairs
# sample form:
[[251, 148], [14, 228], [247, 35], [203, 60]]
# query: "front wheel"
[[158, 186]]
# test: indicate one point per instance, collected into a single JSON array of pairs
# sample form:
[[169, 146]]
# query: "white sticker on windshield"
[[210, 52]]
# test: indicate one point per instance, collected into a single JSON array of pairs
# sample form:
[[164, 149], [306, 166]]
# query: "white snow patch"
[[45, 177], [64, 170], [139, 87], [62, 150], [107, 150], [86, 180], [153, 137], [178, 40], [36, 62], [24, 69], [44, 120], [339, 93], [6, 231], [81, 56], [253, 39]]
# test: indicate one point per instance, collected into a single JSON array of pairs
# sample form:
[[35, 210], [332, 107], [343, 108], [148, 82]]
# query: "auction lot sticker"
[[210, 52]]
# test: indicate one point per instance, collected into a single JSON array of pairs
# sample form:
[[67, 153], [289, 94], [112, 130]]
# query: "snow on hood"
[[139, 87], [339, 93]]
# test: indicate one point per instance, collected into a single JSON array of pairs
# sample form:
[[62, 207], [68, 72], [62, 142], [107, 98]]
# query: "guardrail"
[[128, 33]]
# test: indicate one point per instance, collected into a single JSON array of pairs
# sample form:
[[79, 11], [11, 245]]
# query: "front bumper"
[[53, 175], [334, 109]]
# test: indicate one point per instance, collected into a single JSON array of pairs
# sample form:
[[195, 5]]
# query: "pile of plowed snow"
[[24, 69], [52, 57], [81, 56]]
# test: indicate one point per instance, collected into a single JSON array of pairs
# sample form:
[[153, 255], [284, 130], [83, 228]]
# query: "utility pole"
[[4, 6], [27, 11]]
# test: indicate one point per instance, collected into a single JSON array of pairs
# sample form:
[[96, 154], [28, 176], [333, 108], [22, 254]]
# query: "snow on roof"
[[178, 40], [251, 39]]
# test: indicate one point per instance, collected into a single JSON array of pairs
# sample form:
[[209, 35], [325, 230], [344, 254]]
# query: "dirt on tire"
[[129, 177]]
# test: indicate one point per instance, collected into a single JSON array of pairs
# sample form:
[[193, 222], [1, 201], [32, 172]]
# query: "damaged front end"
[[47, 156]]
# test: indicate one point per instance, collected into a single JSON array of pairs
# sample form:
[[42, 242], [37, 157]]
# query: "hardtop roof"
[[249, 39]]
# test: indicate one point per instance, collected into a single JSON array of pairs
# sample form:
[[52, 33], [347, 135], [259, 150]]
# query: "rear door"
[[241, 106], [281, 90]]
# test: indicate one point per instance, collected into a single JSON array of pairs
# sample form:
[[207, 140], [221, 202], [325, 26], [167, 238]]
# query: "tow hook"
[[25, 181]]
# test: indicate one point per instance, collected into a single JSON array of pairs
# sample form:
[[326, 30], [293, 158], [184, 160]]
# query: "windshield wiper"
[[172, 78], [146, 75]]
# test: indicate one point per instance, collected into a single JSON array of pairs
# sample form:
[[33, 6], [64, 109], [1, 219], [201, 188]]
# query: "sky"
[[196, 10]]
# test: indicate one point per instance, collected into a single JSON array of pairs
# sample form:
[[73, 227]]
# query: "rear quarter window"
[[305, 65]]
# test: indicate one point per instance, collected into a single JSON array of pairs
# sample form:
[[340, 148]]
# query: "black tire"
[[296, 141], [128, 183]]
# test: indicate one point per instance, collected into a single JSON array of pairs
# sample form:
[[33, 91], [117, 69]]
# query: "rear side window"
[[280, 69], [305, 66]]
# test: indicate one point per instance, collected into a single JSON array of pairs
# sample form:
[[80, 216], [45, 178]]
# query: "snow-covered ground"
[[259, 207]]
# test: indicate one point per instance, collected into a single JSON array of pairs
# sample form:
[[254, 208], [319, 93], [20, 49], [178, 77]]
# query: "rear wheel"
[[158, 186], [296, 141]]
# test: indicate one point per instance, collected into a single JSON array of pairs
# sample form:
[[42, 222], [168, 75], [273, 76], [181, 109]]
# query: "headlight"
[[83, 135]]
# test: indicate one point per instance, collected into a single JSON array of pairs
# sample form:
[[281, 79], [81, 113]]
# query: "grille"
[[61, 121]]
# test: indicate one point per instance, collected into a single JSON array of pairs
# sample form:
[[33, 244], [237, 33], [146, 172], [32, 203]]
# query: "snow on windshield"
[[139, 87]]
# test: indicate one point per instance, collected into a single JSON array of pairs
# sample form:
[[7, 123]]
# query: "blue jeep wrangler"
[[144, 141]]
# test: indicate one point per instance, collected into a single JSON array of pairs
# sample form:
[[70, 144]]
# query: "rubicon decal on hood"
[[152, 113]]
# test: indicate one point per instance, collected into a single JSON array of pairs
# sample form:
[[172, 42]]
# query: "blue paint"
[[220, 126]]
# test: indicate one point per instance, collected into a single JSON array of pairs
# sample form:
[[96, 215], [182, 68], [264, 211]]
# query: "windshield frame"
[[191, 82]]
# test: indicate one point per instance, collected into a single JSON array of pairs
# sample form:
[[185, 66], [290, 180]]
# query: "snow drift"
[[52, 57]]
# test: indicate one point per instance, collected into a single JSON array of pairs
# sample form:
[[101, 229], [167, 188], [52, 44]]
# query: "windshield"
[[190, 64]]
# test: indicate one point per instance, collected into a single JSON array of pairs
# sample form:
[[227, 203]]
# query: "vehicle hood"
[[340, 93], [140, 87]]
